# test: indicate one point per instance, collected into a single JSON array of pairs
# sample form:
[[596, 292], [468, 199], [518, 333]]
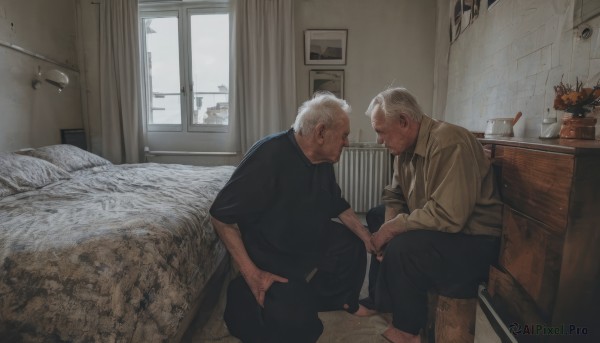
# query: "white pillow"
[[67, 157], [19, 173]]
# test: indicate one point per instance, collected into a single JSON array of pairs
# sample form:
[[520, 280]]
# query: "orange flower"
[[576, 100], [572, 98], [559, 104]]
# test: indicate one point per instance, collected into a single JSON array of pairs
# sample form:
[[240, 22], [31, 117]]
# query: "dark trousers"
[[290, 312], [415, 262]]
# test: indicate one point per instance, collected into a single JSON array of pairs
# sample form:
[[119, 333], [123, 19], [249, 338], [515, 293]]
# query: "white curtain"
[[120, 81], [265, 95]]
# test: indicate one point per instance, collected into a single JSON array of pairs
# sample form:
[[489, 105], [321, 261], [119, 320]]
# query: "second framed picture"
[[326, 80]]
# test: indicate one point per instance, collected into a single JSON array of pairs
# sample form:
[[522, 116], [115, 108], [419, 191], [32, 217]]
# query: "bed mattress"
[[116, 253]]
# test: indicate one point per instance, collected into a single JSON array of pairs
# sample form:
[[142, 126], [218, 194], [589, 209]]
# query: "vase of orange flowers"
[[576, 102]]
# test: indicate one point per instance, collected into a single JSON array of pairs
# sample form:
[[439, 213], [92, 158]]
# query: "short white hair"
[[395, 101], [322, 108]]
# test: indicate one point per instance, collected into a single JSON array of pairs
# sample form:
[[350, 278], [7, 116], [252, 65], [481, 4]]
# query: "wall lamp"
[[54, 77]]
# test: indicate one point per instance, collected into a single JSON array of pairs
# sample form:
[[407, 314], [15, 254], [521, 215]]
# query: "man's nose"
[[379, 140]]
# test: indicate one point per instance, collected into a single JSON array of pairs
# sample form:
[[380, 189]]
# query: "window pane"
[[210, 68], [162, 63]]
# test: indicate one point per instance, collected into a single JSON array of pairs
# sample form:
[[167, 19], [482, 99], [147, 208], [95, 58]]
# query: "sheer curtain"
[[120, 81], [264, 68]]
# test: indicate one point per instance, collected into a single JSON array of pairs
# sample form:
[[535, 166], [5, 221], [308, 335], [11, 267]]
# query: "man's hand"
[[369, 246], [351, 221], [386, 232], [260, 282]]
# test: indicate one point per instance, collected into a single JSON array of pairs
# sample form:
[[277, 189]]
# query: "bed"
[[92, 251]]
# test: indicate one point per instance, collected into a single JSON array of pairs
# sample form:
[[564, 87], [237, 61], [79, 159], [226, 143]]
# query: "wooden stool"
[[450, 320]]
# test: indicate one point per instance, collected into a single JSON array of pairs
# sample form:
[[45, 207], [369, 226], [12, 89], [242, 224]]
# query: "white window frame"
[[159, 13], [180, 10], [190, 98]]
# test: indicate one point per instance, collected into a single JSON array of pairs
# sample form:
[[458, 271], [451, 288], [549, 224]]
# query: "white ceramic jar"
[[549, 128], [499, 127]]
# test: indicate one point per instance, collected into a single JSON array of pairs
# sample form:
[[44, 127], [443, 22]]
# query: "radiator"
[[362, 173]]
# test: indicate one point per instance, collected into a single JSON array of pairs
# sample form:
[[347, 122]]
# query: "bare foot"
[[394, 335], [362, 311]]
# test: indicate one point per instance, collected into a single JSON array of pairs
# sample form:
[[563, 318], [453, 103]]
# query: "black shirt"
[[281, 203]]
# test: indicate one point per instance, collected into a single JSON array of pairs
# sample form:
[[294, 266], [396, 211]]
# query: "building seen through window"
[[186, 67]]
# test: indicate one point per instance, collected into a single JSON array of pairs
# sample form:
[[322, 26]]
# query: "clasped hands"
[[260, 281], [381, 238]]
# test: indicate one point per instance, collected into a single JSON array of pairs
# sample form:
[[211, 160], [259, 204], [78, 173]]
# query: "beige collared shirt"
[[446, 183]]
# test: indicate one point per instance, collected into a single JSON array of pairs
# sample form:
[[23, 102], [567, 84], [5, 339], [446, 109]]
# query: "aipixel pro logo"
[[544, 330]]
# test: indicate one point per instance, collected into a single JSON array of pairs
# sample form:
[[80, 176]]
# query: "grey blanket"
[[114, 254]]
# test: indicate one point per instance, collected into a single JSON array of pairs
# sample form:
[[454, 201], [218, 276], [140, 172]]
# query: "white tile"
[[594, 73], [580, 64], [541, 79], [535, 62], [526, 87], [595, 43], [531, 41], [528, 67], [550, 33], [565, 49]]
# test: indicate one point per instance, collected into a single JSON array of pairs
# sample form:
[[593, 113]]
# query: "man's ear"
[[320, 133], [403, 120]]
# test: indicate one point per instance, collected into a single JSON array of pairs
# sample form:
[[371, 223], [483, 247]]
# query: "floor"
[[339, 326]]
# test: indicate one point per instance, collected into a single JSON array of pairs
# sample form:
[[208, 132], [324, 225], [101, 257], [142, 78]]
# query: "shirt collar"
[[292, 138], [424, 133]]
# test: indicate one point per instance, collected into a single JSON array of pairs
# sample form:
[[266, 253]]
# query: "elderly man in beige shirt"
[[440, 225]]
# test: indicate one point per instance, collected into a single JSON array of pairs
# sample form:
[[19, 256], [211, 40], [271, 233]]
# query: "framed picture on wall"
[[326, 80], [491, 3], [462, 14], [456, 14], [326, 47]]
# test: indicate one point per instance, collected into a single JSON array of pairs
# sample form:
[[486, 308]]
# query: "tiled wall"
[[511, 56]]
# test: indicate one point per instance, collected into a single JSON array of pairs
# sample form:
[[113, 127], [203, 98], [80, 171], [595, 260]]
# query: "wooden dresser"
[[546, 286]]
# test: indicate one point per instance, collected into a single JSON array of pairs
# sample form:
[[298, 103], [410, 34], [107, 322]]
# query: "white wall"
[[506, 61], [510, 58], [28, 117], [390, 42]]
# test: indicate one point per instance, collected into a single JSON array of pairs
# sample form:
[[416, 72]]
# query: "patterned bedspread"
[[115, 254]]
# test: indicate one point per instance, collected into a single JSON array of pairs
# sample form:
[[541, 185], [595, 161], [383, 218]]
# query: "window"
[[185, 61]]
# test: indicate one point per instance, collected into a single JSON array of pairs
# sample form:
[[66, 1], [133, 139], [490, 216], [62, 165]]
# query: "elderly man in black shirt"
[[274, 216]]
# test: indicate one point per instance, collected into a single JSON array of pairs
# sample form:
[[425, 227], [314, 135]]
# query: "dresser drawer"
[[510, 301], [537, 183], [532, 255]]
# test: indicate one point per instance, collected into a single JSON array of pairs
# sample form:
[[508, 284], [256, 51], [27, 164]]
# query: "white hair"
[[396, 101], [322, 108]]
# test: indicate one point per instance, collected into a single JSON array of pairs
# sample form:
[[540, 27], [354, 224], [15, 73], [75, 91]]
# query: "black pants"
[[419, 261], [290, 312]]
